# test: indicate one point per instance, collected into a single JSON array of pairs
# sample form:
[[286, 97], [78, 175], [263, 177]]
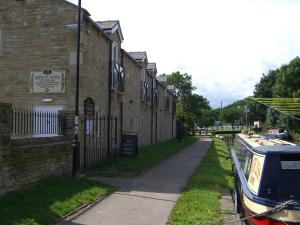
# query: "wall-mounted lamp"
[[71, 26], [47, 100]]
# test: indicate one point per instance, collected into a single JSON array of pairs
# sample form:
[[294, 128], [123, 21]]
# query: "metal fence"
[[228, 128], [26, 122], [98, 153]]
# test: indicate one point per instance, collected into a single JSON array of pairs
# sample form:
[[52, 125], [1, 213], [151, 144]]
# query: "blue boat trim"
[[250, 195]]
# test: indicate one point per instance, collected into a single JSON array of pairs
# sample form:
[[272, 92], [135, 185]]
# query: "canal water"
[[228, 138]]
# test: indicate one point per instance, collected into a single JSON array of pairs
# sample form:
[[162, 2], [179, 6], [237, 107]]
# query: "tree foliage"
[[193, 108], [283, 82], [242, 112]]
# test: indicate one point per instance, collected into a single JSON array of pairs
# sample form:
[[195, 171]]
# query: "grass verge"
[[152, 155], [147, 157], [199, 202], [49, 200]]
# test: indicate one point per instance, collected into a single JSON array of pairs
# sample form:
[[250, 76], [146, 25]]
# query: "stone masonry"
[[36, 35], [28, 160]]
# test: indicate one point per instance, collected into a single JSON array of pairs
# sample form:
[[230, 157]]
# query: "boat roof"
[[263, 145]]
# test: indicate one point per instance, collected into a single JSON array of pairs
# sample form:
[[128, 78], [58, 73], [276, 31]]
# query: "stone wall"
[[166, 121], [132, 95], [28, 160], [36, 38]]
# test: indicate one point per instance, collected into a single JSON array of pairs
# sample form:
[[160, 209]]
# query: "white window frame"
[[43, 108]]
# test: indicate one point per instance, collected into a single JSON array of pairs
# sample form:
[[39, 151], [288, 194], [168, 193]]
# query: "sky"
[[225, 45]]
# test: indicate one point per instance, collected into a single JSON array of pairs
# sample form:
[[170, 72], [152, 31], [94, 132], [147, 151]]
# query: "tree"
[[283, 82], [190, 106], [182, 83], [264, 89], [195, 106]]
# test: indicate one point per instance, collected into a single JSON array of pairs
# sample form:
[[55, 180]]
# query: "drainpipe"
[[109, 100], [121, 105], [76, 142], [156, 116], [172, 118], [152, 108]]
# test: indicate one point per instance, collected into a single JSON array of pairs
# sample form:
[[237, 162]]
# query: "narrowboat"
[[267, 180]]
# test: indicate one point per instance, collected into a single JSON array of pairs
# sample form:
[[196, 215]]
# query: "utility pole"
[[76, 142], [246, 112]]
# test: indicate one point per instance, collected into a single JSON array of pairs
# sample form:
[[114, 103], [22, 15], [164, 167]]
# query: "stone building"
[[38, 70]]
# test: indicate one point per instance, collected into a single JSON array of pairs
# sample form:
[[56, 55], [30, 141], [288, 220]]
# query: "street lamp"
[[76, 142]]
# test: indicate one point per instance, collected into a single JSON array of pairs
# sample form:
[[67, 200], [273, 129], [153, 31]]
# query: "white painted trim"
[[283, 215], [118, 28]]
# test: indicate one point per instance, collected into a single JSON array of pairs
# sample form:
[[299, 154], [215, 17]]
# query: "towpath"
[[149, 198]]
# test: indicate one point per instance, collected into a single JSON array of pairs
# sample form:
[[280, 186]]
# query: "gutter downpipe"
[[172, 117], [76, 142], [152, 110], [122, 104], [156, 107], [109, 100]]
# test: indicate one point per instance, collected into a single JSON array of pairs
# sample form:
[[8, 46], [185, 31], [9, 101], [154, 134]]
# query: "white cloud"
[[225, 45]]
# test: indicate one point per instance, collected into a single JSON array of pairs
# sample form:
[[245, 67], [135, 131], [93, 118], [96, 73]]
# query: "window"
[[244, 156], [143, 91], [115, 53], [143, 75], [155, 97], [290, 161], [46, 121], [118, 77]]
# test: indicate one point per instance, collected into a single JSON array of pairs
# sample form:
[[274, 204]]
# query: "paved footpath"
[[149, 198]]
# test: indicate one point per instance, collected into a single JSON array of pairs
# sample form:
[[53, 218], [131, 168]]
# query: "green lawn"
[[152, 155], [49, 200], [199, 203]]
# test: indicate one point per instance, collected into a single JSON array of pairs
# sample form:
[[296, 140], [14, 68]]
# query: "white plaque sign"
[[47, 81]]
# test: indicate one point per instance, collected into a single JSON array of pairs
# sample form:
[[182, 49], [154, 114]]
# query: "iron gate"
[[100, 140]]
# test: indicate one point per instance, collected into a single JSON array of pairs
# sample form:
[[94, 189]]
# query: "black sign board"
[[129, 144], [47, 72], [89, 107]]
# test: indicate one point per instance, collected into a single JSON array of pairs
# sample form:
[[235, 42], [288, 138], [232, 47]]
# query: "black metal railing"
[[155, 96], [26, 122], [96, 152], [118, 81], [145, 92]]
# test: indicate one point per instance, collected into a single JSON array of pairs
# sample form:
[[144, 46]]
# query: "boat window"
[[290, 161], [244, 156], [247, 165]]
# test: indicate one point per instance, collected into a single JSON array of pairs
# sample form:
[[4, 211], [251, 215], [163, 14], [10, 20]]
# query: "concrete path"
[[149, 198]]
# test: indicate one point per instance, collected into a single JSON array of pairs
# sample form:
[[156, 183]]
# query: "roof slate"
[[138, 55], [107, 25], [151, 66]]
